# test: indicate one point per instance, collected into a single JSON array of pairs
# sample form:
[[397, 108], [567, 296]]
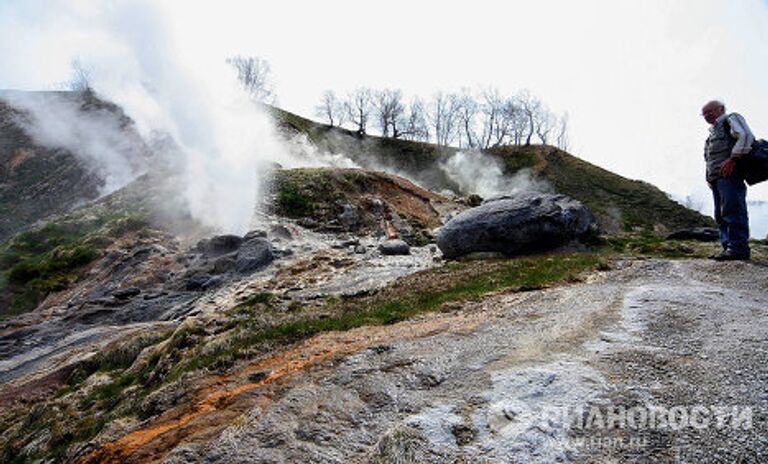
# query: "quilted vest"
[[718, 148]]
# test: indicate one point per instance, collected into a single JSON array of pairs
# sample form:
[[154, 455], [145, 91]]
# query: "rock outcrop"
[[515, 225]]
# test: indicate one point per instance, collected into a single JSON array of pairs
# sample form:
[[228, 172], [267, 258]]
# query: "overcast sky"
[[633, 75]]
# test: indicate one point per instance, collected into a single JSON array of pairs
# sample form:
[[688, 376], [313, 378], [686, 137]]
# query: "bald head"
[[712, 110]]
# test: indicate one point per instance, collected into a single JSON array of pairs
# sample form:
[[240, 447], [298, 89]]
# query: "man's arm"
[[743, 135], [744, 139]]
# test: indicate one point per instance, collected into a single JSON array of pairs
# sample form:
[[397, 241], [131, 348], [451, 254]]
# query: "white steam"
[[482, 174], [225, 140], [98, 137]]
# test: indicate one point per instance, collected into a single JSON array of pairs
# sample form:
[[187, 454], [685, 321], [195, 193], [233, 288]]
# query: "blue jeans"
[[730, 194]]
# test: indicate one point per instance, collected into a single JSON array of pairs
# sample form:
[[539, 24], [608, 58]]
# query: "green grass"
[[522, 273], [46, 259]]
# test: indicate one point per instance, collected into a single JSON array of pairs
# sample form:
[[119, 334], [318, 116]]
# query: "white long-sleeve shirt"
[[741, 132]]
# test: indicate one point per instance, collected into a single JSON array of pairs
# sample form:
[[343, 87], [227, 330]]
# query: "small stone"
[[256, 233], [394, 247], [258, 376], [126, 293]]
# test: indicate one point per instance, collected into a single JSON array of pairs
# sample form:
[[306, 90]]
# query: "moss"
[[46, 259], [294, 204], [258, 298]]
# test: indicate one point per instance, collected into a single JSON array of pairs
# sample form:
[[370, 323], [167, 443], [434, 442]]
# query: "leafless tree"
[[497, 118], [444, 117], [467, 110], [545, 122], [80, 77], [416, 126], [358, 108], [531, 106], [332, 109], [390, 112], [562, 132], [254, 73]]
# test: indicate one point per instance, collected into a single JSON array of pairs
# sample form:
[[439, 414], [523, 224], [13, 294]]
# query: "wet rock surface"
[[164, 282], [486, 383], [513, 225]]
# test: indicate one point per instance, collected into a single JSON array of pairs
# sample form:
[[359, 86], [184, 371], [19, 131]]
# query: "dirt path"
[[645, 363]]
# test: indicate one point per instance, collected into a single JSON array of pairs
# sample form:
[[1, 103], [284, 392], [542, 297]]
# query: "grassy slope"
[[50, 257], [619, 203]]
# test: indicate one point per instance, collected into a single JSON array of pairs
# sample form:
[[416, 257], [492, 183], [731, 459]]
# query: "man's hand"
[[728, 167]]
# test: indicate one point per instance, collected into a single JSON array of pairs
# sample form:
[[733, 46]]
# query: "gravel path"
[[655, 361]]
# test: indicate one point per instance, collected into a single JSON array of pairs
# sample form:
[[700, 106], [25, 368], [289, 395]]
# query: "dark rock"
[[126, 293], [281, 232], [350, 242], [107, 302], [258, 376], [349, 218], [394, 247], [214, 281], [281, 252], [197, 281], [464, 434], [474, 200], [202, 245], [309, 223], [223, 244], [253, 255], [525, 223], [359, 249], [258, 233], [224, 264], [701, 234], [381, 348]]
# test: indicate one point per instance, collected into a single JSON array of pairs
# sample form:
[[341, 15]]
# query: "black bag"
[[754, 165]]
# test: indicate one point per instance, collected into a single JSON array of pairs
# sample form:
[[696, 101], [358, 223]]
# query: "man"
[[729, 139]]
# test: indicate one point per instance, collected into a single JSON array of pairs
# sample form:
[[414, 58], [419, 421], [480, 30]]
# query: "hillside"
[[38, 181], [129, 332], [620, 203]]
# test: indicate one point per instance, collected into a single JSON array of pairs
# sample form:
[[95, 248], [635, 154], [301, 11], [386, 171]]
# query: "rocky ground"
[[488, 381]]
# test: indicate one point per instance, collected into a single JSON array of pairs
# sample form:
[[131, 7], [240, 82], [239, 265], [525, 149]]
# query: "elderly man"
[[729, 139]]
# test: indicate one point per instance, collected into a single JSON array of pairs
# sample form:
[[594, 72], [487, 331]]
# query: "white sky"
[[632, 74]]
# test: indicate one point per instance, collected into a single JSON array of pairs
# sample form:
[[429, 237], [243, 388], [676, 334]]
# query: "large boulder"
[[515, 225], [253, 255]]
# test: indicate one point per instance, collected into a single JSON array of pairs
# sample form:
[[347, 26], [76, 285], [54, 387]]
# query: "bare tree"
[[545, 123], [80, 76], [531, 106], [416, 126], [562, 132], [390, 112], [467, 110], [254, 73], [497, 118], [358, 108], [332, 109], [443, 115]]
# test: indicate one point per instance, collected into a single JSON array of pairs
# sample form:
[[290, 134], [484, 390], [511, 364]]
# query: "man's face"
[[711, 112]]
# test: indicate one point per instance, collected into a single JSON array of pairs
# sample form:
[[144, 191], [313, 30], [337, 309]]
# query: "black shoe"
[[729, 255]]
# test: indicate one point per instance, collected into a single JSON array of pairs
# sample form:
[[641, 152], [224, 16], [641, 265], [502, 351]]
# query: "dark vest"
[[718, 148]]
